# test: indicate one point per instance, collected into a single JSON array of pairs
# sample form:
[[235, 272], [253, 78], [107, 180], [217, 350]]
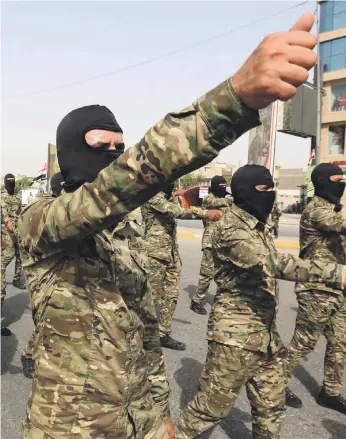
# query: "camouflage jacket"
[[160, 221], [322, 238], [213, 202], [90, 371], [11, 206], [275, 215], [246, 302]]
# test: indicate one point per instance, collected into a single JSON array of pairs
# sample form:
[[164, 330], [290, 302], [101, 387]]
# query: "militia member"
[[322, 309], [92, 374], [11, 207], [6, 245], [275, 216], [215, 200], [160, 217], [244, 346]]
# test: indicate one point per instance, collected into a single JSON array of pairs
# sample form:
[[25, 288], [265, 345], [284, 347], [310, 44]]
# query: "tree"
[[22, 183], [189, 180]]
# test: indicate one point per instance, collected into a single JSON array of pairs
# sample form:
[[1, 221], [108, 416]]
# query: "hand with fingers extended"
[[279, 65]]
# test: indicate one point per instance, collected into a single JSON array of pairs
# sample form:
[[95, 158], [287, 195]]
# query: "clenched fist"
[[278, 66], [214, 215]]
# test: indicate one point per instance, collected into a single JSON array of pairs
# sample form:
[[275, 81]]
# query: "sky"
[[49, 44]]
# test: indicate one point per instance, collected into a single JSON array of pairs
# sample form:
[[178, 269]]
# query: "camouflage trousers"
[[320, 313], [164, 279], [29, 431], [206, 275], [226, 371], [11, 251]]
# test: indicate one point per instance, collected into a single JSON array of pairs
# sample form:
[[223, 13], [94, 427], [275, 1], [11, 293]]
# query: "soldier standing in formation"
[[215, 200], [275, 216], [160, 218], [322, 309], [10, 210], [244, 346], [6, 247], [92, 376]]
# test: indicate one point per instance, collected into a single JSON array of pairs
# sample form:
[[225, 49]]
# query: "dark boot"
[[198, 308], [337, 403], [5, 332], [28, 366], [19, 284], [292, 400], [168, 342]]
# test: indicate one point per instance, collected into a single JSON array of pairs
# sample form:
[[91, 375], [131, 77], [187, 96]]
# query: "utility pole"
[[319, 88]]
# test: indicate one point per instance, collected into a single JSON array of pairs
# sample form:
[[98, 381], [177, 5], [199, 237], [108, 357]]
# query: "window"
[[336, 139], [338, 97], [333, 54], [333, 15]]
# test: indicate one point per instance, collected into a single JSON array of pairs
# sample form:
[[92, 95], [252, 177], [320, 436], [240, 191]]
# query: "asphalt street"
[[310, 422]]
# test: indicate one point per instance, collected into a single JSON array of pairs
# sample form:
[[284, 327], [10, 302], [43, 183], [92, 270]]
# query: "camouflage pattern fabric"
[[160, 219], [91, 369], [10, 210], [244, 345], [248, 265], [226, 371], [207, 270], [275, 217], [322, 309], [320, 313]]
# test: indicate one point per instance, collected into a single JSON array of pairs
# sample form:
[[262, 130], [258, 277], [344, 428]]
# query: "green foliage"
[[23, 182], [188, 181]]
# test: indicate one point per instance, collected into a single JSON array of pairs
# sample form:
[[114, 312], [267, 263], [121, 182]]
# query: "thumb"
[[305, 23]]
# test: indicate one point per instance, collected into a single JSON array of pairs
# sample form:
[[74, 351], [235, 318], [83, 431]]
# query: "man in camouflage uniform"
[[11, 207], [275, 216], [244, 346], [6, 246], [322, 309], [160, 217], [215, 200], [92, 374]]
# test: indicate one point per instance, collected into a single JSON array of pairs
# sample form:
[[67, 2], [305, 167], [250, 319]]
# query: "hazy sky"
[[49, 44]]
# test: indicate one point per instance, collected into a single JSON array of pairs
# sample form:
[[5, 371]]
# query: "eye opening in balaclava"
[[10, 183], [55, 184], [247, 197], [79, 162], [218, 186], [325, 188]]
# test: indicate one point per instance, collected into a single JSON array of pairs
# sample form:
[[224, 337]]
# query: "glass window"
[[336, 139], [339, 45], [326, 23], [326, 64], [338, 97], [339, 20], [325, 49], [338, 62]]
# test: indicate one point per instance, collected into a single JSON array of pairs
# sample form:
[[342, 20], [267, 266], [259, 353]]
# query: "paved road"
[[311, 422], [288, 226]]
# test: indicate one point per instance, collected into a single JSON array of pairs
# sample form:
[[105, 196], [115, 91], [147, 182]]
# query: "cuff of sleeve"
[[333, 276], [225, 114]]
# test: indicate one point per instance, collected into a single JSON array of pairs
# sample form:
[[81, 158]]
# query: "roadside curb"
[[279, 243]]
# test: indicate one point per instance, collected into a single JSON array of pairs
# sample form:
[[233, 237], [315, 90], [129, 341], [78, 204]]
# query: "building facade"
[[332, 39]]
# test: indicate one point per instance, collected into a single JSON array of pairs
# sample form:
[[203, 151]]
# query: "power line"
[[156, 58]]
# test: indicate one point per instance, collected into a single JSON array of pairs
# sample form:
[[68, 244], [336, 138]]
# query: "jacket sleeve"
[[216, 203], [326, 220], [177, 145], [237, 248], [162, 205], [151, 342]]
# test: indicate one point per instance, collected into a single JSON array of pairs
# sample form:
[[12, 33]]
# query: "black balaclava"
[[168, 190], [10, 184], [79, 162], [331, 191], [216, 189], [55, 184], [247, 197]]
